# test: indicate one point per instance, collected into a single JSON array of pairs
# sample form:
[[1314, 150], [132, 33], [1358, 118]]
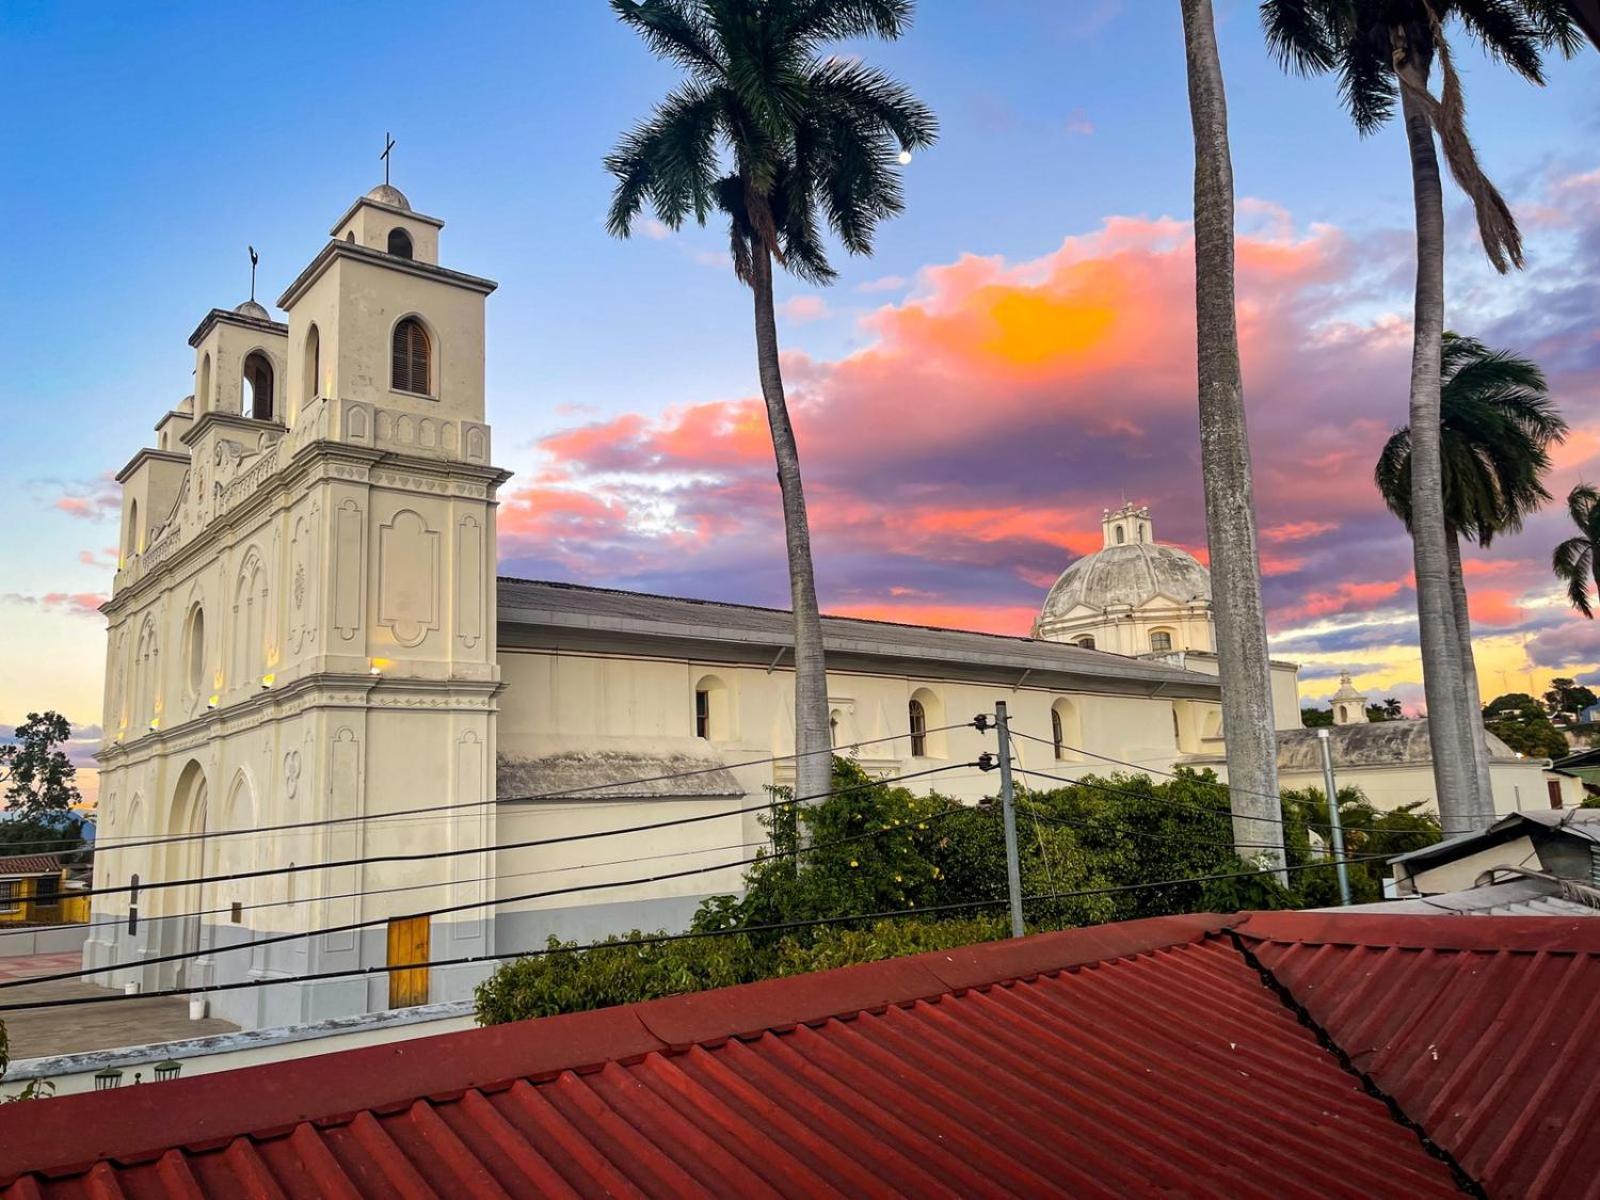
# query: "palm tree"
[[1392, 710], [1496, 422], [778, 139], [1244, 669], [1381, 50], [1577, 560]]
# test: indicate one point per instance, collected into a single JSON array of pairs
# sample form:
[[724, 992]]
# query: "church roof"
[[1127, 576], [758, 634], [1293, 1054], [1364, 744]]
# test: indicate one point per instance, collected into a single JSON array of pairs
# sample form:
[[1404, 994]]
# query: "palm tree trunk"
[[814, 764], [1247, 716], [1454, 773], [1471, 700]]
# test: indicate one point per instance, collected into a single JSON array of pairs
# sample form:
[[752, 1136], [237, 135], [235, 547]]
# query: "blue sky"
[[146, 145]]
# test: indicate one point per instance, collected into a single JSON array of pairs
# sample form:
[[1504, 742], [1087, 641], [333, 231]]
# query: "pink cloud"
[[93, 501], [960, 458]]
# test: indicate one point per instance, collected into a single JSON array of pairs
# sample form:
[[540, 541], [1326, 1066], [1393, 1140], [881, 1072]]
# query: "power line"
[[1189, 778], [384, 891], [353, 926], [1186, 804], [429, 855], [432, 812], [540, 952]]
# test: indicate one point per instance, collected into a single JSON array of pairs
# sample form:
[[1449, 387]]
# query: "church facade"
[[335, 741]]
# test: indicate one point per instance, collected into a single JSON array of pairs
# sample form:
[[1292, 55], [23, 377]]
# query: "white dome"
[[1127, 576], [252, 310]]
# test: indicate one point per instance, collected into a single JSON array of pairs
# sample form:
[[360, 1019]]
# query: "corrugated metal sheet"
[[1528, 897], [1144, 1059], [1486, 1033]]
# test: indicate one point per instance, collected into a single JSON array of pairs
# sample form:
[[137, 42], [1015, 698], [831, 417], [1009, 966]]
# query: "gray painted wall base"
[[229, 958]]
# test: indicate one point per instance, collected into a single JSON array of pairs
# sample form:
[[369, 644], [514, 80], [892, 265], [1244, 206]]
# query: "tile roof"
[[30, 864], [1145, 1058]]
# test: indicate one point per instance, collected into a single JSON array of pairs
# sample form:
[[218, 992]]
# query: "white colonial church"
[[327, 718]]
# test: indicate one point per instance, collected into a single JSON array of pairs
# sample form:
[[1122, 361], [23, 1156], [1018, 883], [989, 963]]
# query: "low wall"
[[72, 1073], [42, 939]]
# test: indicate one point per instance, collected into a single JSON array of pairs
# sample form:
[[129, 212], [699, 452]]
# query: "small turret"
[[1349, 705]]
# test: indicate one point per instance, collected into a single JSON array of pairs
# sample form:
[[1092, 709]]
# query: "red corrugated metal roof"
[[1488, 1037], [1146, 1058]]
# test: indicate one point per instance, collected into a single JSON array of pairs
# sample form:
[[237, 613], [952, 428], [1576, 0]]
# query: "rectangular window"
[[702, 715], [9, 890]]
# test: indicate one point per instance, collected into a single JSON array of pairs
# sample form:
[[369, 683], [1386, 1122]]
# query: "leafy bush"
[[1085, 850], [564, 979], [836, 947]]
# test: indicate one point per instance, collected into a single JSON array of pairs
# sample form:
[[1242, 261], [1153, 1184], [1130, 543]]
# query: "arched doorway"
[[181, 925]]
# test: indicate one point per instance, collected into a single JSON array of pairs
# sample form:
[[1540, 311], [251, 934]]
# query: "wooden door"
[[1552, 788], [408, 943]]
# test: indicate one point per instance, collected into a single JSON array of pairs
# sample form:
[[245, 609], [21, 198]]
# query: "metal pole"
[[1009, 811], [1332, 790]]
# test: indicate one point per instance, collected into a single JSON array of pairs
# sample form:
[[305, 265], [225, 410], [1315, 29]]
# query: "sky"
[[1015, 357]]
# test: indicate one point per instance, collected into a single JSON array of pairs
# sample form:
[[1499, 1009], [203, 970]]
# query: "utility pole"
[[1008, 807], [1332, 791]]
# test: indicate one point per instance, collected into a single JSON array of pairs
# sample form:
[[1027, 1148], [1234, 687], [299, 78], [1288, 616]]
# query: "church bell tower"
[[303, 640]]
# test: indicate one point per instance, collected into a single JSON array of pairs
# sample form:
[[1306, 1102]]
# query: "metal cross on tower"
[[388, 146], [254, 259]]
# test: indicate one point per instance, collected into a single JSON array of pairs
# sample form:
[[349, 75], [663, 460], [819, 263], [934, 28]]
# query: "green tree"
[[1568, 696], [1316, 718], [1577, 560], [1519, 721], [1497, 423], [37, 773], [781, 139], [1383, 50], [1243, 664]]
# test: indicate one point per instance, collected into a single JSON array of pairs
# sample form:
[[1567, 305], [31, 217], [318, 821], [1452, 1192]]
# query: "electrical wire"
[[432, 812], [1189, 778], [274, 939], [539, 952], [561, 839], [1185, 804], [386, 891]]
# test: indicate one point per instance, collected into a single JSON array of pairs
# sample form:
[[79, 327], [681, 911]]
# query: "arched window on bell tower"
[[413, 358], [400, 243], [312, 380], [257, 386]]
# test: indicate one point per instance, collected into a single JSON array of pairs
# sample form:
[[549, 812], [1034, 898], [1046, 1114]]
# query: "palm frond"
[[839, 20], [675, 30], [1392, 475], [1502, 29], [875, 97], [1366, 79], [668, 161], [1574, 564], [1553, 22], [1298, 35]]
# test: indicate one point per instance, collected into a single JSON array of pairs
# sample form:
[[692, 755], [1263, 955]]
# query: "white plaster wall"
[[1463, 872]]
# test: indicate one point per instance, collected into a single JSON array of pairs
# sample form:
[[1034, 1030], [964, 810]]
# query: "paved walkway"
[[79, 1027]]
